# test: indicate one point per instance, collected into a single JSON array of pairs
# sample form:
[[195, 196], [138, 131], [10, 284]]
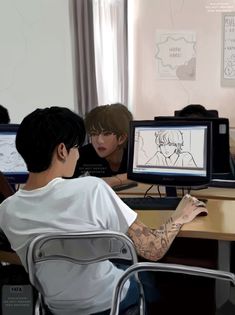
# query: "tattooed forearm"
[[153, 244]]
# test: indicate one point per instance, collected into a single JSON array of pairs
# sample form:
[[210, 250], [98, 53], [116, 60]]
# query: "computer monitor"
[[220, 142], [170, 153], [12, 165]]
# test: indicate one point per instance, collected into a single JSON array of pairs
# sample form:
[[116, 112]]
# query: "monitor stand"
[[171, 191], [171, 196]]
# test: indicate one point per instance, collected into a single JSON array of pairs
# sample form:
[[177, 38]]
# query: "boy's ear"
[[62, 151], [122, 139]]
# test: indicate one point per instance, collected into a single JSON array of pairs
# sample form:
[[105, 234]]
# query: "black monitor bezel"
[[168, 180], [218, 168], [13, 178]]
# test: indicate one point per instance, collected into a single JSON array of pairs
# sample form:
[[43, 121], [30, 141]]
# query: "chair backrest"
[[79, 248], [164, 267]]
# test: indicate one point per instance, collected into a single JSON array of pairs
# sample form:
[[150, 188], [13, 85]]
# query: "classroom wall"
[[151, 96], [37, 69], [35, 56]]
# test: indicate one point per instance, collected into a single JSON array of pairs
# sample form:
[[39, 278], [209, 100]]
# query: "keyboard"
[[150, 203], [222, 183], [124, 186]]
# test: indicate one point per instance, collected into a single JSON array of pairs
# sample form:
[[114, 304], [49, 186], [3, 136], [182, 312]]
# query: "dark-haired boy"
[[48, 140]]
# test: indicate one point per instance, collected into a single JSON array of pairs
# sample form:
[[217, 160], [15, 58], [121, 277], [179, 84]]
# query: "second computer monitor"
[[11, 163]]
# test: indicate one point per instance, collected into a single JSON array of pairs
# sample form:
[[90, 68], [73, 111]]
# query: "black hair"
[[41, 131], [196, 110], [4, 115]]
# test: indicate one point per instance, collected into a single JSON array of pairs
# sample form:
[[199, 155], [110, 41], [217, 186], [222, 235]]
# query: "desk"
[[219, 225], [210, 192]]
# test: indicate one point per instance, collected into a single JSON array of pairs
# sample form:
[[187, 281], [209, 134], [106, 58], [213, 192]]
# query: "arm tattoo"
[[150, 243]]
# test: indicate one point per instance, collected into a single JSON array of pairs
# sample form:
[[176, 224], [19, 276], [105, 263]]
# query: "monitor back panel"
[[220, 142], [220, 146]]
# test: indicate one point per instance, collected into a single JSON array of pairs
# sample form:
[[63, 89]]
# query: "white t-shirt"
[[79, 204]]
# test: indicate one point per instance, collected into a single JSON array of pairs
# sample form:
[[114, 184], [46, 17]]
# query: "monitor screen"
[[220, 142], [11, 163], [170, 153]]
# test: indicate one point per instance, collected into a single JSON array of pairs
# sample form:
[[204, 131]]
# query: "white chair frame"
[[80, 248], [165, 267]]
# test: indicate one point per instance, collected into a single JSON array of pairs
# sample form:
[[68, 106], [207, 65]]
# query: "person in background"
[[48, 140], [4, 115], [195, 111], [106, 155]]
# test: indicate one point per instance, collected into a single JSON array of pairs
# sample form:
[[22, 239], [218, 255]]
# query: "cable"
[[150, 187], [159, 192]]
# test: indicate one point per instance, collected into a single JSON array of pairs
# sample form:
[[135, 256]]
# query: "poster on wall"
[[176, 55], [228, 49]]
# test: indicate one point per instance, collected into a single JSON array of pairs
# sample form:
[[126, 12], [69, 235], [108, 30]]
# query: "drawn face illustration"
[[169, 142], [8, 156], [168, 149]]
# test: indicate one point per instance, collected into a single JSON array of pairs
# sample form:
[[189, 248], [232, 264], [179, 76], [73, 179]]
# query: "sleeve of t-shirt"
[[112, 213]]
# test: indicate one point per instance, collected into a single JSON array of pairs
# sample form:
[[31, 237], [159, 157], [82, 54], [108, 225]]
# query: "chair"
[[162, 267], [79, 248]]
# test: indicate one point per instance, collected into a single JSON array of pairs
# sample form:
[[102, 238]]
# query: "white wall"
[[35, 56], [151, 96]]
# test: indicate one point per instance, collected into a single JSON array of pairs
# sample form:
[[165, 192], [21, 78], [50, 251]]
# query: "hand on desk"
[[152, 244], [188, 208]]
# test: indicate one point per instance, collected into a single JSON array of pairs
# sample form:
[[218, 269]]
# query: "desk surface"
[[210, 192], [219, 224]]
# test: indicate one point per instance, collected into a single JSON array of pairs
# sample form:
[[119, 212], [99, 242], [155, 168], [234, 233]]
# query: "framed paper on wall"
[[228, 49], [175, 54]]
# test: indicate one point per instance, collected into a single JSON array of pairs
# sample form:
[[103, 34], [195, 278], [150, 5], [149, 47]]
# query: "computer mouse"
[[203, 213]]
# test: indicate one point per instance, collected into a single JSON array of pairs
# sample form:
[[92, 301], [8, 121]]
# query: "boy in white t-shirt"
[[48, 140]]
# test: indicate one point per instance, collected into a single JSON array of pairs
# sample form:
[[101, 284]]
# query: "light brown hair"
[[114, 118]]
